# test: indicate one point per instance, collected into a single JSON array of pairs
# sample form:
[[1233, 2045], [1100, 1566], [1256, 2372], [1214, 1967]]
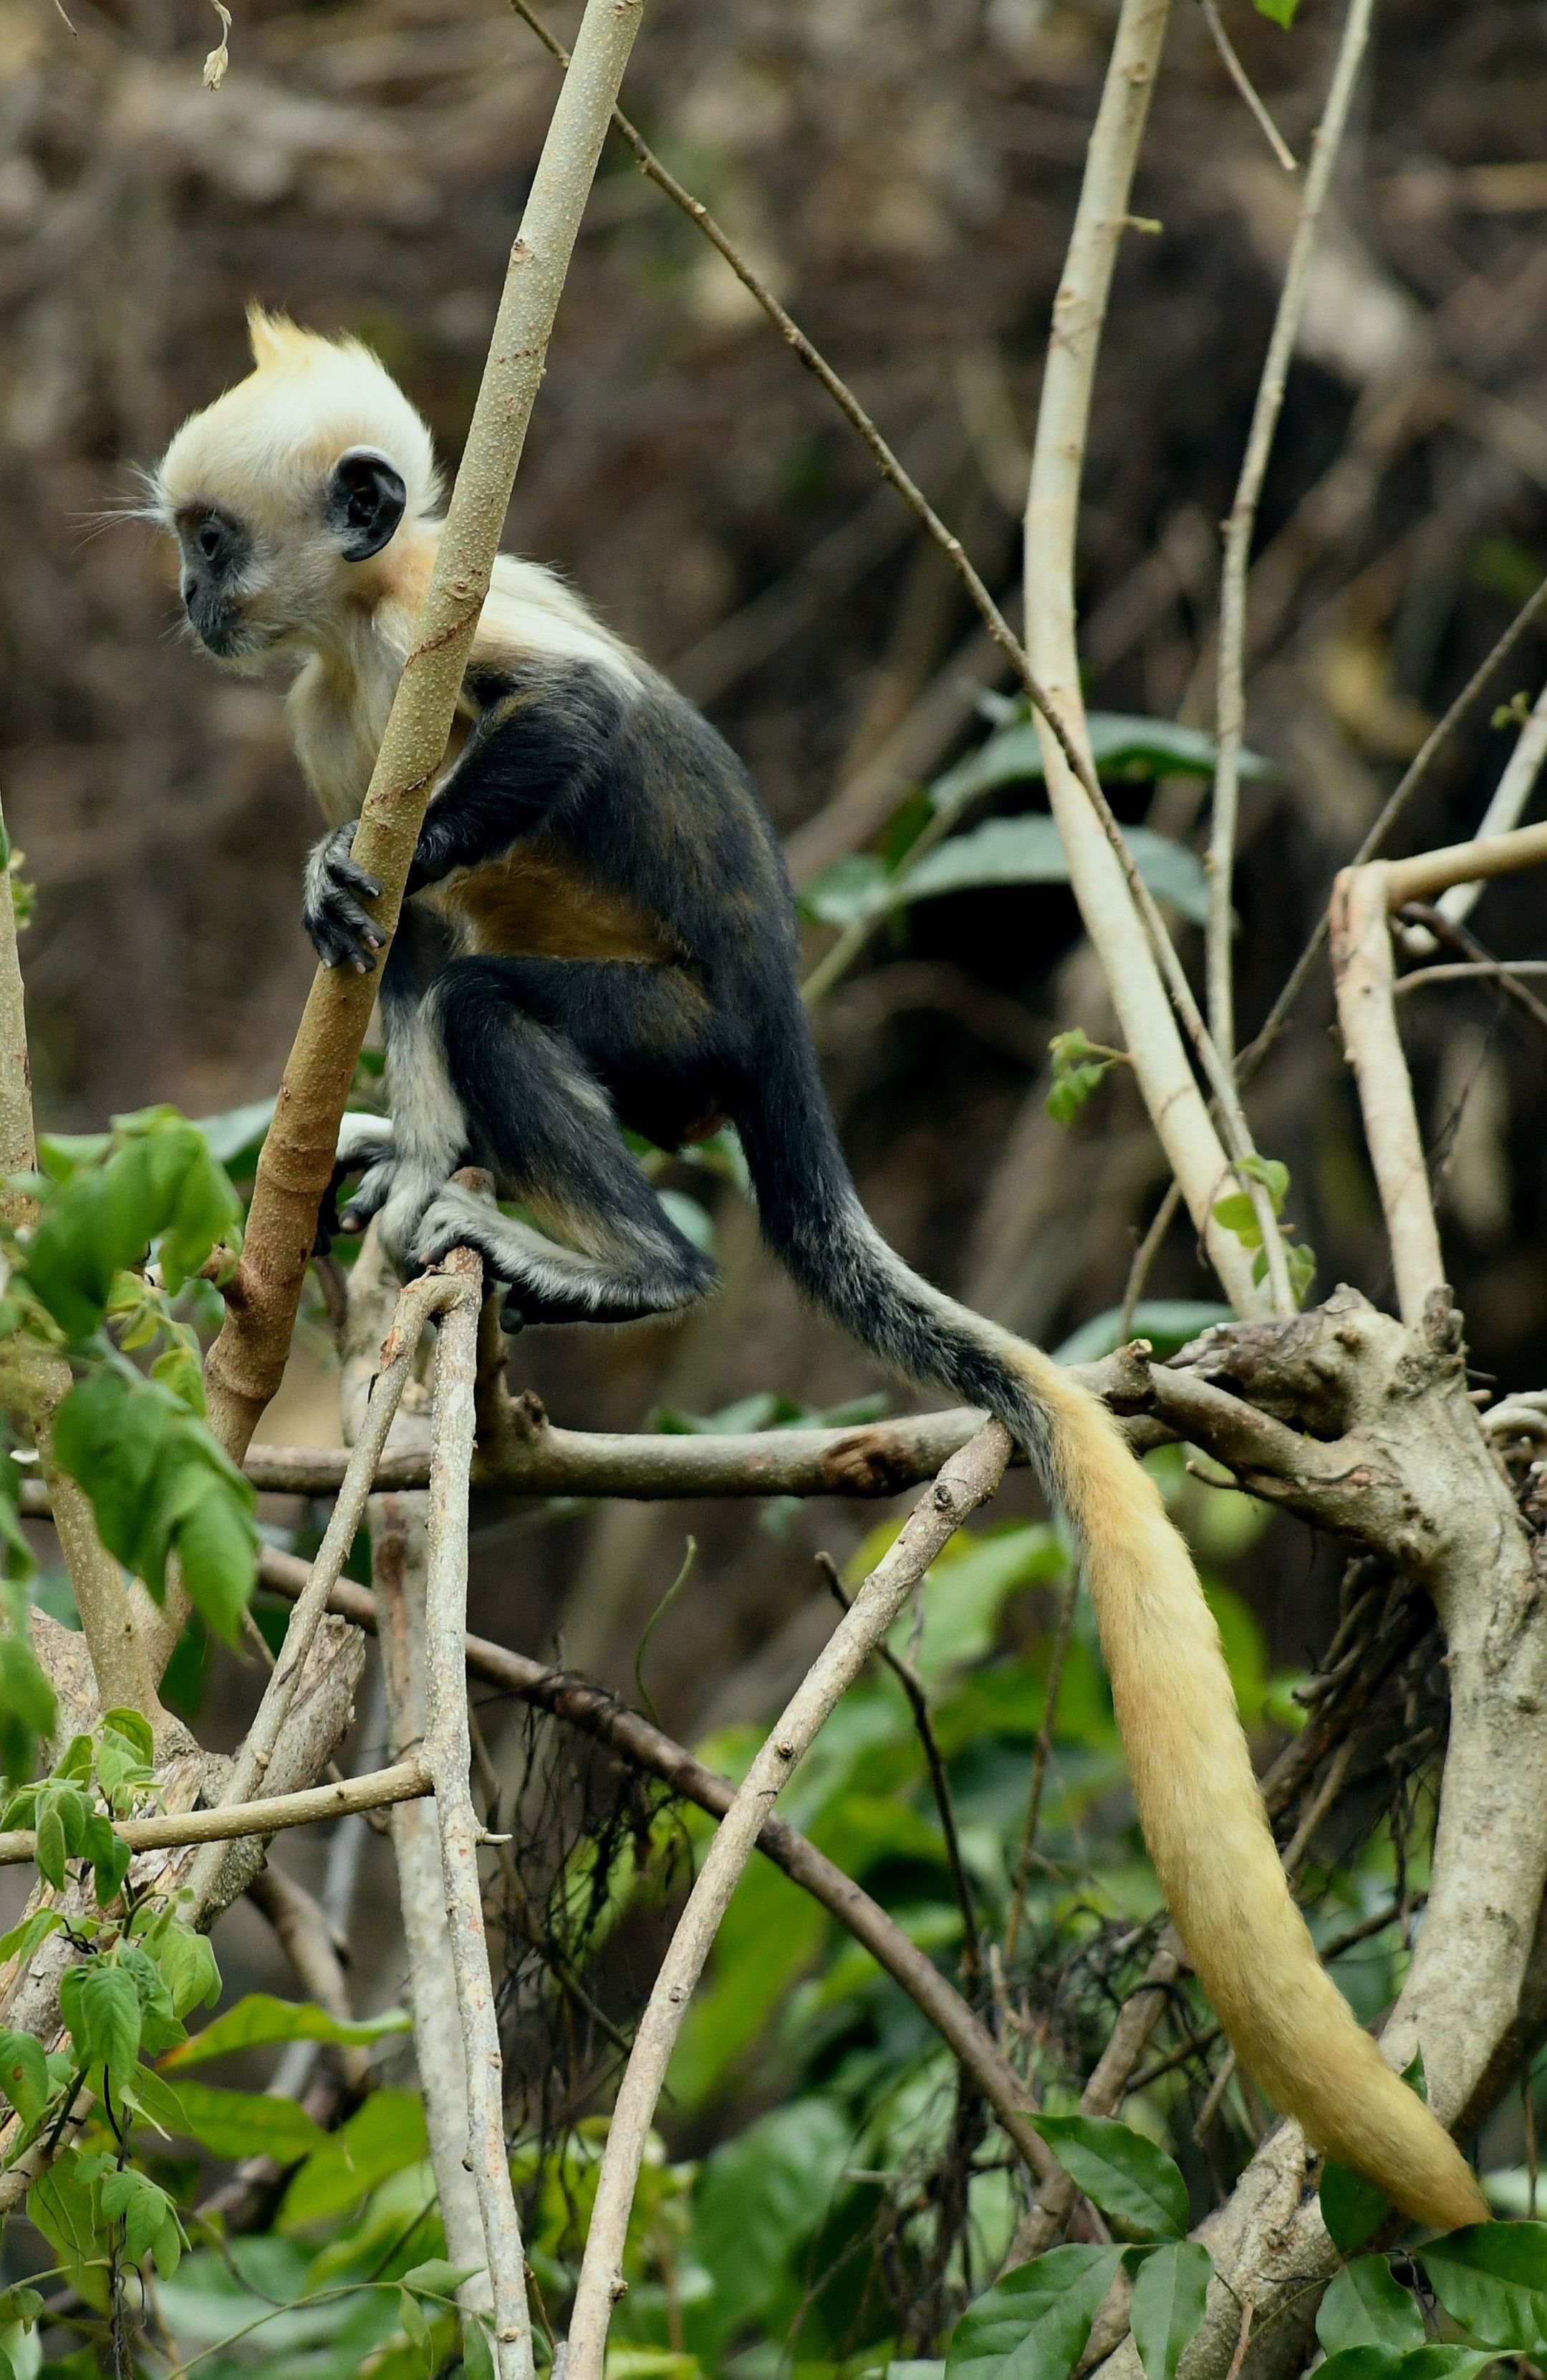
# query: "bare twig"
[[1102, 2094], [1042, 1753], [1479, 961], [398, 1569], [1230, 696], [447, 1756], [420, 1300], [376, 1790], [306, 1940], [962, 1486], [1413, 779], [1367, 1011], [907, 1678], [591, 1709], [1512, 792], [1463, 863], [1501, 971], [1144, 1256], [245, 1364], [1139, 973], [1247, 87]]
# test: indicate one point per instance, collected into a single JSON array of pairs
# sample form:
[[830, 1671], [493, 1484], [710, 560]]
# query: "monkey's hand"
[[342, 932]]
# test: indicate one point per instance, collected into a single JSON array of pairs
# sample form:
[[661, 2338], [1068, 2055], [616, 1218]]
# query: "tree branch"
[[245, 1364], [1230, 695], [964, 1484], [448, 1754]]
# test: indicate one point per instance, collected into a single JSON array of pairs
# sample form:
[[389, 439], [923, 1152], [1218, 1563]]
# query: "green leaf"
[[1026, 850], [23, 1939], [1351, 2207], [1169, 2291], [101, 2005], [154, 2099], [64, 2204], [135, 1729], [415, 2328], [1121, 745], [380, 2138], [159, 1484], [1492, 2278], [478, 2352], [1033, 2325], [24, 2075], [1070, 1091], [1167, 1322], [142, 2206], [188, 1966], [51, 1849], [1365, 2306], [246, 2124], [437, 2278], [1123, 2174], [260, 2017], [759, 2201], [27, 1704], [1416, 2364], [1239, 1216], [1282, 12], [238, 1133]]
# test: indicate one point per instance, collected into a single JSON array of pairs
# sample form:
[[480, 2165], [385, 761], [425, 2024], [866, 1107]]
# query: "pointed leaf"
[[1492, 2278], [260, 2017], [1366, 2306], [1123, 2174], [1033, 2325], [1169, 2295]]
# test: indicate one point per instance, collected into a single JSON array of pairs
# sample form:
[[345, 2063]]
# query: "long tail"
[[1198, 1798]]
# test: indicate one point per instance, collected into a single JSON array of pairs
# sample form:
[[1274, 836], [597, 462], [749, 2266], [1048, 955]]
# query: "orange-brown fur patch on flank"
[[535, 903]]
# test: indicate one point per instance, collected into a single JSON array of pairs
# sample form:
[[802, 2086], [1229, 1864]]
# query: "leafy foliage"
[[82, 1278]]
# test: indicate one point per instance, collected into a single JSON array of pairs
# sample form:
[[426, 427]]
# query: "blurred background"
[[904, 175]]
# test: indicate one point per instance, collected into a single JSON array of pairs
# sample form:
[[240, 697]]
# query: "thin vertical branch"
[[1230, 700], [1247, 87], [245, 1364], [447, 1756], [967, 1480], [399, 1567], [1367, 1012], [1042, 1753], [1106, 895], [422, 1298]]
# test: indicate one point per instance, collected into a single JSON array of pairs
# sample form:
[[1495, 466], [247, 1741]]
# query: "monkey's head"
[[283, 494]]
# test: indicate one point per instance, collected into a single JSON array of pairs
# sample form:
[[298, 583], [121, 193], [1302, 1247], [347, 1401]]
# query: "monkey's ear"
[[366, 500]]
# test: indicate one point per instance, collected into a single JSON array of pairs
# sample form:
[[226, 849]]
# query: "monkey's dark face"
[[215, 550]]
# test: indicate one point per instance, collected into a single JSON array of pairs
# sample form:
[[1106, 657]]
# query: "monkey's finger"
[[349, 872]]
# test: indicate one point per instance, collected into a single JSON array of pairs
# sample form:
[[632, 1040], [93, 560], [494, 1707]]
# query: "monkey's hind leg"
[[537, 1116]]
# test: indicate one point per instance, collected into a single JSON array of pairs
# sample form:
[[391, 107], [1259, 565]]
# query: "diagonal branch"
[[965, 1483], [244, 1366]]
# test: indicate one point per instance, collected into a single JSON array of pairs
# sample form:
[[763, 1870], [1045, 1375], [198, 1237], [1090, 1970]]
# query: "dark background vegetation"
[[904, 174]]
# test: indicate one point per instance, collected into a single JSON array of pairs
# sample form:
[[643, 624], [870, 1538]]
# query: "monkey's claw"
[[342, 931]]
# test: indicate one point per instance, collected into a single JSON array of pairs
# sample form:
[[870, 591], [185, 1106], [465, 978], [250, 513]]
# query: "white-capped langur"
[[599, 933]]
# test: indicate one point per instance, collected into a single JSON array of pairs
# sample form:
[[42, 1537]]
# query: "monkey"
[[599, 934]]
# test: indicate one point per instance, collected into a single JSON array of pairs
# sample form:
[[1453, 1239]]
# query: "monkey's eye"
[[210, 541]]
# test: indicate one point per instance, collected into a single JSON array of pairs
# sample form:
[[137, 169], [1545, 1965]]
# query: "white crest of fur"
[[270, 441]]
